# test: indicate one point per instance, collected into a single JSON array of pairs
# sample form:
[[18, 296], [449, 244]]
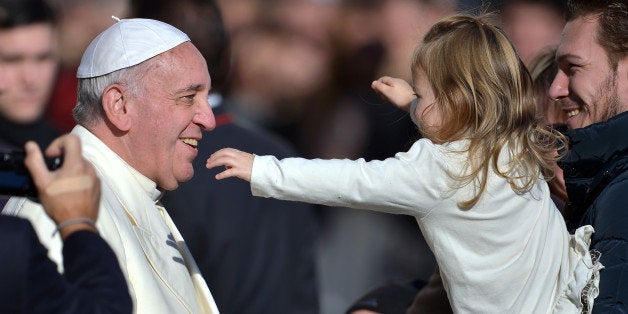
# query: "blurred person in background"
[[257, 255], [404, 22], [532, 25], [28, 56], [79, 22], [543, 69], [279, 80]]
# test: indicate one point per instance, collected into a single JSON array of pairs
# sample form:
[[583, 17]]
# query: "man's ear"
[[622, 82], [116, 107]]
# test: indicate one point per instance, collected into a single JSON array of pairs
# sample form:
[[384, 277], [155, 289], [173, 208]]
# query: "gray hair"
[[89, 110]]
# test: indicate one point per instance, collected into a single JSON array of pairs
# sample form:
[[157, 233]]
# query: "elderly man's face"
[[589, 89], [172, 110], [27, 57]]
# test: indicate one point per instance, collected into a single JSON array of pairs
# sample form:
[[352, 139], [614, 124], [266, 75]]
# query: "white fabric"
[[509, 253], [127, 43], [161, 273]]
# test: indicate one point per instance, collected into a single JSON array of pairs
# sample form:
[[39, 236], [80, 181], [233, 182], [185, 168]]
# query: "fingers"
[[69, 145], [222, 157], [229, 173], [72, 191], [382, 84], [226, 157], [237, 163], [385, 80], [35, 164]]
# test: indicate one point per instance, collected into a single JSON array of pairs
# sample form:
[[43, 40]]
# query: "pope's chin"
[[182, 175]]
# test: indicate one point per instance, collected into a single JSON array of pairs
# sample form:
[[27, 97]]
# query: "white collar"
[[103, 152]]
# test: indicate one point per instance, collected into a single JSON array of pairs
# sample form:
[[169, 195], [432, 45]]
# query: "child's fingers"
[[380, 88], [237, 163], [219, 158], [386, 80], [228, 173]]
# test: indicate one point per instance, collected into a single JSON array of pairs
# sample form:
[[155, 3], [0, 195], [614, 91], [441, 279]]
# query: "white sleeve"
[[410, 183]]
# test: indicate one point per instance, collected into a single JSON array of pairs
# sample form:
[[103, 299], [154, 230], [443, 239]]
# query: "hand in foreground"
[[237, 163], [70, 192], [395, 90]]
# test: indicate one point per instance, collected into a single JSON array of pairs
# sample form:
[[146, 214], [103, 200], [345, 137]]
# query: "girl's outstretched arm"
[[237, 163], [395, 90]]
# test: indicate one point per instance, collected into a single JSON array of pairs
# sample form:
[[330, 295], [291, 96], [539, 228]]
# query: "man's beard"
[[605, 104]]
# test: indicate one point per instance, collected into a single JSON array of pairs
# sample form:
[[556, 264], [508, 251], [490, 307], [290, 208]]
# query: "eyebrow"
[[563, 57], [190, 88]]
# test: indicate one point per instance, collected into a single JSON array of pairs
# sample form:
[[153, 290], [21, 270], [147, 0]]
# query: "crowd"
[[386, 91]]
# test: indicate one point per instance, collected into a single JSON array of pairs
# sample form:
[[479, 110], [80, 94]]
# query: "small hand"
[[395, 90], [237, 163], [70, 192]]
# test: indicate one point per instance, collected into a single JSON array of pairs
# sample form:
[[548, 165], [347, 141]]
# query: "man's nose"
[[560, 86], [205, 117]]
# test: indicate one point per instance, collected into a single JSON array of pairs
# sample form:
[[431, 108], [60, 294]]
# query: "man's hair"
[[612, 32], [484, 95], [14, 13], [89, 110]]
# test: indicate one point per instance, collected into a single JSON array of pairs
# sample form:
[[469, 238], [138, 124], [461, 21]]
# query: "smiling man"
[[592, 86], [142, 107]]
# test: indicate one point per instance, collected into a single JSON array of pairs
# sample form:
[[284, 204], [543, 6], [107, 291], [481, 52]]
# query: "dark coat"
[[92, 283], [256, 254], [596, 175]]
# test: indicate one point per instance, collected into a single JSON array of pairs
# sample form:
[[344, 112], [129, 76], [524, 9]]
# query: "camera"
[[15, 180]]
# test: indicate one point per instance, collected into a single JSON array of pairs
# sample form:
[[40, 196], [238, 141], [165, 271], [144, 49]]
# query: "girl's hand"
[[237, 163], [395, 90]]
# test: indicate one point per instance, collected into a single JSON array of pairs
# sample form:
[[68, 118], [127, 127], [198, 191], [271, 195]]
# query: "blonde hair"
[[485, 95]]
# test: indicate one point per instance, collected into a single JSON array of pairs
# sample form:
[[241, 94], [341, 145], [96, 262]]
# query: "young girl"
[[473, 182]]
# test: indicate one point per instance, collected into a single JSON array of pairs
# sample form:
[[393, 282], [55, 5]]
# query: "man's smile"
[[190, 141]]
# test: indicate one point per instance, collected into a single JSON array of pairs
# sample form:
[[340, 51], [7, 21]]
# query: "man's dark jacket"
[[256, 254], [30, 283], [596, 174]]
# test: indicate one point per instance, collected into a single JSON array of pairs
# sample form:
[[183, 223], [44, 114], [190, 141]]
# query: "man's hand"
[[70, 192], [395, 90], [237, 163]]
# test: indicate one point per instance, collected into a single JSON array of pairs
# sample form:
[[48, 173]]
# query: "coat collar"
[[593, 147]]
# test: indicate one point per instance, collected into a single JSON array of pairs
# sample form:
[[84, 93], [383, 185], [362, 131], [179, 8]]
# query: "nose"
[[205, 117], [560, 86], [31, 72]]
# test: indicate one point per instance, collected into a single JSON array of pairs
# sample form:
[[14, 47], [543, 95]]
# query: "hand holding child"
[[395, 90], [237, 163]]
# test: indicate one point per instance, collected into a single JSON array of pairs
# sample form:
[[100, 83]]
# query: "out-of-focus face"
[[532, 26], [171, 113], [426, 112], [28, 61], [589, 90]]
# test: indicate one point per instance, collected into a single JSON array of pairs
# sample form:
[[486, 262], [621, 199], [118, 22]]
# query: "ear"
[[622, 81], [116, 107]]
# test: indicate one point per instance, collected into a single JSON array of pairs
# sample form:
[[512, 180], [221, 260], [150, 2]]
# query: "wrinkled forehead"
[[182, 65]]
